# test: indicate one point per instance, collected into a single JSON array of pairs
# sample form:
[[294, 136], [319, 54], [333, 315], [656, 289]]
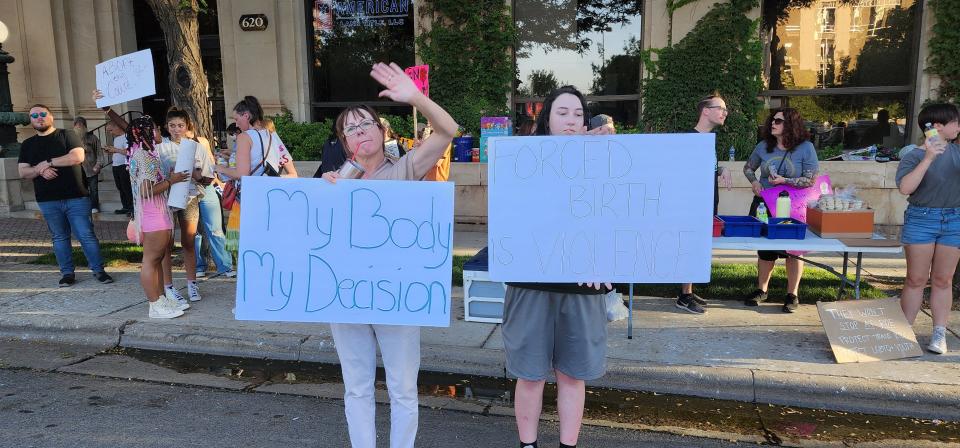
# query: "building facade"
[[839, 62]]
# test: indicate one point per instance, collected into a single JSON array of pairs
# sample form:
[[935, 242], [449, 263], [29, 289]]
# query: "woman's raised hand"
[[399, 86], [97, 94]]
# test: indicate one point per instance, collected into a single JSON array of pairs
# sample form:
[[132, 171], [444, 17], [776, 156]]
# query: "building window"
[[346, 38], [847, 65], [591, 45]]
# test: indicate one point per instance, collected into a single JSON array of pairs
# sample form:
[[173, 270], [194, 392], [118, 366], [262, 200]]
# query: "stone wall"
[[874, 180]]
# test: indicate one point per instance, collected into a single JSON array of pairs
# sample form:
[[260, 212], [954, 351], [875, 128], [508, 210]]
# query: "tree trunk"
[[188, 81]]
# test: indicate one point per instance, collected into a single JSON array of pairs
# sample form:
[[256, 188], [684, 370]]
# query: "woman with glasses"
[[361, 131], [785, 156]]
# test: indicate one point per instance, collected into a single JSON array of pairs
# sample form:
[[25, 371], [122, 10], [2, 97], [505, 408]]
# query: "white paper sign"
[[358, 251], [623, 208], [186, 160], [125, 78]]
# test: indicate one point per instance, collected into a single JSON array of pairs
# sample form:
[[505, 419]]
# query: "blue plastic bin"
[[795, 231], [741, 226]]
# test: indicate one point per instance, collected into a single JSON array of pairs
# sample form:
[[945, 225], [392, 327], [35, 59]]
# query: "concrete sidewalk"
[[732, 352]]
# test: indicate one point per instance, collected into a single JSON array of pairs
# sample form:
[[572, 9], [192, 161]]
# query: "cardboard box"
[[841, 224]]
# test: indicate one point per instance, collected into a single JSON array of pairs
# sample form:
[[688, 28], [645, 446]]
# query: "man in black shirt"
[[713, 113], [52, 158]]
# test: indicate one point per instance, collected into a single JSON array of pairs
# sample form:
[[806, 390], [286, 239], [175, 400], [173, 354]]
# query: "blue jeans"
[[211, 224], [62, 217], [927, 225]]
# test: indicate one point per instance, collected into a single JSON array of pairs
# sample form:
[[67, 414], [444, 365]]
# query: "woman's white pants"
[[400, 350]]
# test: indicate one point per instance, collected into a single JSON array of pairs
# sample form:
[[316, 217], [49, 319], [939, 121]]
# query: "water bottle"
[[733, 154], [783, 205], [762, 213]]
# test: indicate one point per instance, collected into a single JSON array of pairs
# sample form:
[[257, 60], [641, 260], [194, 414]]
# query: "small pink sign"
[[420, 74]]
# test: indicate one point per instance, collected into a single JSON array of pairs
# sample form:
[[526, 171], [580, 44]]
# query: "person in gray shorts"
[[557, 328]]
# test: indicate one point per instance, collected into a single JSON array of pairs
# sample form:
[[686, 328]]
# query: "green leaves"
[[944, 49], [722, 53], [468, 50]]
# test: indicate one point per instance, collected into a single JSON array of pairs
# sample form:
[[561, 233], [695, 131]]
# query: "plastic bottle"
[[783, 205], [762, 213], [733, 154]]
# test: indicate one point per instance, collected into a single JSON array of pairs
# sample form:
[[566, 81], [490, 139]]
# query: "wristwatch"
[[50, 161]]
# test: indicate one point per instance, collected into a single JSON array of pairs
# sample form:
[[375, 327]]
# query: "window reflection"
[[591, 44], [349, 37], [844, 44], [846, 122]]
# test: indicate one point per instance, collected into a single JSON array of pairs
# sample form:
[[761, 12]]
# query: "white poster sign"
[[186, 159], [125, 78], [358, 251], [621, 208]]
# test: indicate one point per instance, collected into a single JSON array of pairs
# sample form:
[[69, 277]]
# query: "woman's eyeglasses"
[[364, 125], [777, 121], [38, 115]]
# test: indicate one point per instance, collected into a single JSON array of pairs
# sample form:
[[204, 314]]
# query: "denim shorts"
[[926, 225]]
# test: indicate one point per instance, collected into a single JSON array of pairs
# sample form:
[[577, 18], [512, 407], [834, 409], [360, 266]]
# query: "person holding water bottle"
[[930, 177]]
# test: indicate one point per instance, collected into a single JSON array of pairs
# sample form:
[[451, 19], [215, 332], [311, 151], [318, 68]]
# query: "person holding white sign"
[[152, 223], [178, 124], [361, 131], [558, 328]]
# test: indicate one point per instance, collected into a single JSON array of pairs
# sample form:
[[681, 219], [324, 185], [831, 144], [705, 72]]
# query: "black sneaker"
[[759, 296], [121, 211], [67, 281], [699, 300], [791, 303], [685, 302], [103, 277]]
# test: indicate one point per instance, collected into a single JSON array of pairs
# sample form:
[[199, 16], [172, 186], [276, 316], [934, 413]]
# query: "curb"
[[881, 397], [73, 330]]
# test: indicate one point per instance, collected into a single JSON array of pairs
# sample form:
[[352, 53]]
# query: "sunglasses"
[[777, 121], [38, 115]]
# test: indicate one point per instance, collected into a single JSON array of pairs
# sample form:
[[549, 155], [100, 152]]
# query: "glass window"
[[844, 44], [348, 37], [846, 122], [593, 45]]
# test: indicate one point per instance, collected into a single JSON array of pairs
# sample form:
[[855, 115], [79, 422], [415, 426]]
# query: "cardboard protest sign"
[[376, 252], [126, 78], [868, 330], [618, 208], [420, 74]]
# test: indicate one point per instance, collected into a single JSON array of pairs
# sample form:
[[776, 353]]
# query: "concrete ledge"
[[930, 401], [74, 330], [212, 341], [724, 383]]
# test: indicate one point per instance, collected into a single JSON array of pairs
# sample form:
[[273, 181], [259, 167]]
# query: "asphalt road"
[[42, 409]]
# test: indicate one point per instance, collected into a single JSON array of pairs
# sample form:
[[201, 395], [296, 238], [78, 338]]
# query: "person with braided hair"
[[152, 222]]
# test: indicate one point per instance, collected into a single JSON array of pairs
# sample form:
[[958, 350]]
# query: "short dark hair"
[[543, 120], [706, 101], [81, 121], [942, 113], [43, 106], [341, 122]]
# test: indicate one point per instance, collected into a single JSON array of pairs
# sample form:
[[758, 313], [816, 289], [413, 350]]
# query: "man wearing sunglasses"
[[52, 159]]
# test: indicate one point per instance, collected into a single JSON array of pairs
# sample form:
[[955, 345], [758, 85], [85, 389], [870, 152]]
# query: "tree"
[[188, 81], [542, 82]]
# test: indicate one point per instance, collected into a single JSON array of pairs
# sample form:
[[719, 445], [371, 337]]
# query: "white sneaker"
[[229, 274], [193, 291], [94, 210], [201, 273], [938, 341], [161, 309], [175, 296]]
